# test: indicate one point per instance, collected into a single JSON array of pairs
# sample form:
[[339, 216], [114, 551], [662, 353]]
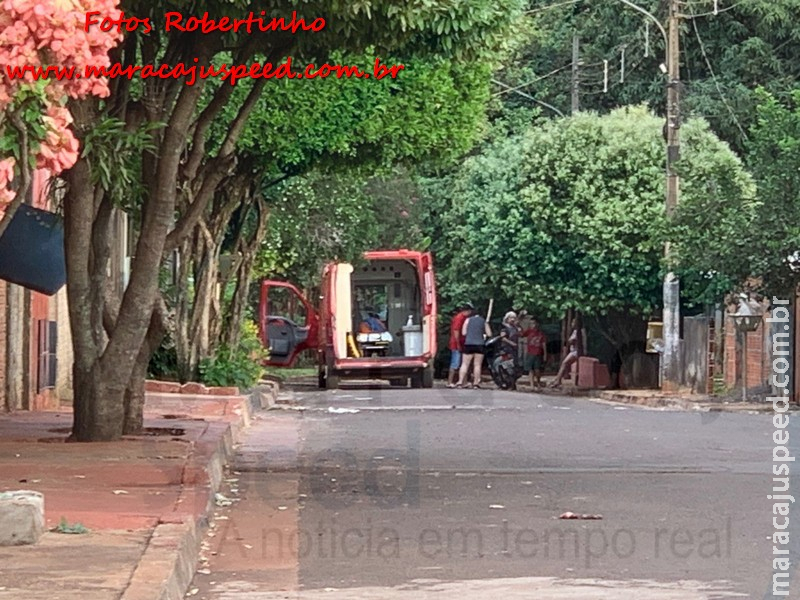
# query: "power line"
[[532, 81], [715, 13], [529, 97], [548, 7], [716, 82]]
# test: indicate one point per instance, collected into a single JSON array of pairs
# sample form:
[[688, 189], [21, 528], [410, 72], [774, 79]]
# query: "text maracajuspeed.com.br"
[[194, 72]]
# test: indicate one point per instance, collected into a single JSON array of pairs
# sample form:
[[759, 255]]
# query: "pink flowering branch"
[[35, 33], [25, 171]]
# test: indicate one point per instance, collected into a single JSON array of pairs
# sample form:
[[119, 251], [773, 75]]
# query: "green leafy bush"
[[241, 366]]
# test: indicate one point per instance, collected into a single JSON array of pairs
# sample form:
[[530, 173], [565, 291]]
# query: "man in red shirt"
[[537, 353], [457, 342]]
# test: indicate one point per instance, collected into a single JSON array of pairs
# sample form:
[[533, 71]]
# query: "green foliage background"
[[569, 214]]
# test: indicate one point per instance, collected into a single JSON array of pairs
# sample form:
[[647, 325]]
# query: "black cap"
[[469, 306]]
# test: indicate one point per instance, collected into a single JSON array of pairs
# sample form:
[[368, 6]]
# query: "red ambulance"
[[374, 320]]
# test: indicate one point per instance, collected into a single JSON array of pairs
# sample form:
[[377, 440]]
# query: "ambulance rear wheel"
[[321, 379], [332, 382], [427, 377], [418, 379]]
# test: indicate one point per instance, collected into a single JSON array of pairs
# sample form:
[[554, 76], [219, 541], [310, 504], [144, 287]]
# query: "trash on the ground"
[[65, 527], [342, 411], [118, 492], [193, 592], [496, 506], [282, 507], [571, 515], [80, 476], [204, 571], [248, 546], [221, 500]]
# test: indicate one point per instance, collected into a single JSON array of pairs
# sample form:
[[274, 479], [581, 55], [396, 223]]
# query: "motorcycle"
[[502, 365]]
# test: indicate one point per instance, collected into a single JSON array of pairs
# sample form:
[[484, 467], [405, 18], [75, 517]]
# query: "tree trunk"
[[183, 303], [134, 392], [205, 292], [248, 251], [198, 305], [200, 259], [99, 395], [104, 364], [133, 419]]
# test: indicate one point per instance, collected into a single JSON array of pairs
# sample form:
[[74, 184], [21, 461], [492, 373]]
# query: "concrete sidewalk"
[[679, 401], [145, 500]]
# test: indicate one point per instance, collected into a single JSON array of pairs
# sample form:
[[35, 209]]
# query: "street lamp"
[[745, 321]]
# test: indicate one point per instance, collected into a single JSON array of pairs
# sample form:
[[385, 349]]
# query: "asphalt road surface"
[[456, 494]]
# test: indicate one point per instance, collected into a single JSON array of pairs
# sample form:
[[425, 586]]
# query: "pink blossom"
[[6, 177], [51, 32]]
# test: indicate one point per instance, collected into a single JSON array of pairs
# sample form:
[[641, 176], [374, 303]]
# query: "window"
[[283, 302]]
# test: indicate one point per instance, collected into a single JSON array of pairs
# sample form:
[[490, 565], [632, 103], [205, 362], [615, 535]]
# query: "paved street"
[[457, 493]]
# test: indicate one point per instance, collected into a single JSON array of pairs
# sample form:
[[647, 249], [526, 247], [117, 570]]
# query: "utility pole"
[[576, 98], [671, 360]]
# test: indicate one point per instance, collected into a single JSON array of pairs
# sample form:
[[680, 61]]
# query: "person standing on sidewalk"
[[575, 351], [457, 342], [537, 353], [474, 330]]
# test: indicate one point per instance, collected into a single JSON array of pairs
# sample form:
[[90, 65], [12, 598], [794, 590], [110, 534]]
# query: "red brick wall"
[[758, 366], [40, 309], [2, 345]]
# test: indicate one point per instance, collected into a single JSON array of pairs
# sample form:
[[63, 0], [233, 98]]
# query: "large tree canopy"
[[774, 155], [570, 214], [433, 113], [183, 167]]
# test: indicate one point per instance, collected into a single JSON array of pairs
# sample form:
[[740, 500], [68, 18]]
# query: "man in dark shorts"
[[537, 353], [474, 331]]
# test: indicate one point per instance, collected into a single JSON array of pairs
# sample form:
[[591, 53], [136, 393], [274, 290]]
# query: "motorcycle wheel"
[[502, 378], [498, 379]]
